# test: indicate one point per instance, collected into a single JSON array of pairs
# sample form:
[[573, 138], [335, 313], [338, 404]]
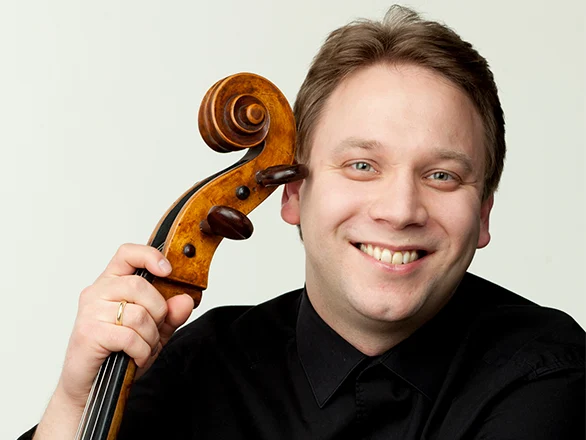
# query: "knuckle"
[[83, 333], [140, 353], [142, 317], [110, 337], [86, 295], [136, 283], [154, 252], [122, 253], [129, 339], [161, 312], [123, 249], [145, 351]]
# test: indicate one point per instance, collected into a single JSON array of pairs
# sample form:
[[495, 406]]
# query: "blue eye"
[[362, 166], [441, 175]]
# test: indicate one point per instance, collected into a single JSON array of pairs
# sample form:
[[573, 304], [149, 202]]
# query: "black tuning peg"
[[280, 174], [227, 222]]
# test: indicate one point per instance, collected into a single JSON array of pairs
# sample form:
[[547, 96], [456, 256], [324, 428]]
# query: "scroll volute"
[[242, 111]]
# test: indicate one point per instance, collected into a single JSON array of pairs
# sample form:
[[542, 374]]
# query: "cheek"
[[458, 215], [329, 202]]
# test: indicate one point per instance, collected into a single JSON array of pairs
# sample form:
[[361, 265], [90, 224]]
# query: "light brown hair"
[[403, 37]]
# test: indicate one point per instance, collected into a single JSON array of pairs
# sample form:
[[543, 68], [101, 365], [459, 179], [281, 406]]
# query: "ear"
[[484, 235], [290, 211]]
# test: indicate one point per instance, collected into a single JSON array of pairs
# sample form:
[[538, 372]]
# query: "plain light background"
[[98, 136]]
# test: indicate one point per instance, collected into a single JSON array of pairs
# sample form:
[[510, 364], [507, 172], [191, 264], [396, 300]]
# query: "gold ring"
[[120, 313]]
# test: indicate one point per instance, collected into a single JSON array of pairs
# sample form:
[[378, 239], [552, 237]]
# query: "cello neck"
[[105, 406]]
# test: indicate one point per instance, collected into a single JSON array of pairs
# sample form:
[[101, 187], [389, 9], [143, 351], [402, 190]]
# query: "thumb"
[[178, 310]]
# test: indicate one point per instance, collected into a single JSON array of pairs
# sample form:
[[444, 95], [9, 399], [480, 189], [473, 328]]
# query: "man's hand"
[[148, 322]]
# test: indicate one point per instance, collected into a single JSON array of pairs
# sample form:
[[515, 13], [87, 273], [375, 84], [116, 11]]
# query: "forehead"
[[402, 106]]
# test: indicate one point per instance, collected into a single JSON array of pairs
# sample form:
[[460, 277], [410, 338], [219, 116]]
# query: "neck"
[[369, 336], [371, 343]]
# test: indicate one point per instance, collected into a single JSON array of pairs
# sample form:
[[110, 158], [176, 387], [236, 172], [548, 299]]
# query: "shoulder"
[[239, 329], [514, 362], [512, 329]]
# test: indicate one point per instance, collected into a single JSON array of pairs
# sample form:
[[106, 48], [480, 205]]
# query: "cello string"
[[100, 380], [98, 384], [89, 404], [111, 371]]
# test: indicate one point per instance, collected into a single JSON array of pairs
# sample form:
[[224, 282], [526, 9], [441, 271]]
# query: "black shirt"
[[489, 365]]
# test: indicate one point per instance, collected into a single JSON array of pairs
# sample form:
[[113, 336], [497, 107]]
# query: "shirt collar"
[[325, 356], [421, 360]]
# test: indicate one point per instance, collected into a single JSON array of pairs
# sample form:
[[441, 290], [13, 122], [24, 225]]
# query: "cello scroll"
[[243, 111]]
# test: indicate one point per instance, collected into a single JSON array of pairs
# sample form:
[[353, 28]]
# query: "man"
[[401, 127]]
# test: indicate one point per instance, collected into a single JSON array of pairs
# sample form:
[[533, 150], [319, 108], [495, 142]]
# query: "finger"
[[130, 257], [149, 362], [130, 288], [114, 338], [134, 317], [179, 308]]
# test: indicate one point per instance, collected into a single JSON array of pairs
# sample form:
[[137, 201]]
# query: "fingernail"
[[165, 265]]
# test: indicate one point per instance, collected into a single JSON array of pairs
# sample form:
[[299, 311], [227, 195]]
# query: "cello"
[[240, 112]]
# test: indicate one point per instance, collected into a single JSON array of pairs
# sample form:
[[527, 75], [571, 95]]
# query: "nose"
[[399, 202]]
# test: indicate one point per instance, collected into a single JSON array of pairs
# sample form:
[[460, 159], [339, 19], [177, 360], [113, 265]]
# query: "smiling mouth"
[[391, 257]]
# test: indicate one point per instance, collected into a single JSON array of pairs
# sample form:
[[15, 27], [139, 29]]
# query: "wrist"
[[61, 418]]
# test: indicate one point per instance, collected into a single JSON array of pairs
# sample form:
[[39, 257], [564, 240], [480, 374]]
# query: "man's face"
[[392, 210]]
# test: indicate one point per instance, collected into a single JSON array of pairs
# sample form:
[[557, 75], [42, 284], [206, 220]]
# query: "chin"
[[390, 310]]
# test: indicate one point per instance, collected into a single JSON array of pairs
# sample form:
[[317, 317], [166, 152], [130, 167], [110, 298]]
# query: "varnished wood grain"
[[267, 123]]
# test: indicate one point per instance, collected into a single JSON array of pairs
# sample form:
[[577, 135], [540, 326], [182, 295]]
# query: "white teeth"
[[397, 258], [387, 256]]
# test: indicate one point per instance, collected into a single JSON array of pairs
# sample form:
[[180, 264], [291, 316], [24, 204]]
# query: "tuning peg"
[[227, 222], [279, 174]]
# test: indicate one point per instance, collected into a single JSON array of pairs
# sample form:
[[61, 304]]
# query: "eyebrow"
[[458, 156], [352, 142]]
